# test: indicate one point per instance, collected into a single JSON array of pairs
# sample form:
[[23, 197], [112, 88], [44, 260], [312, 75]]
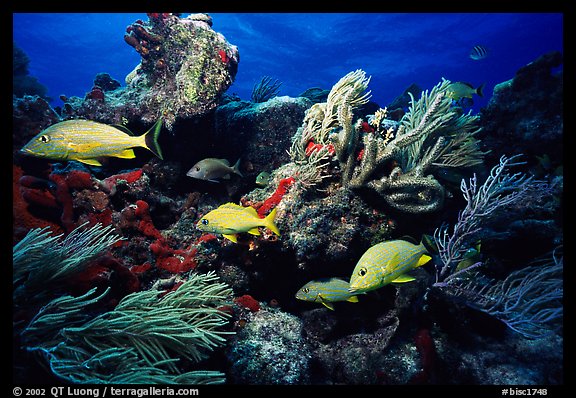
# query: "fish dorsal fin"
[[231, 205], [122, 128], [403, 279], [225, 161]]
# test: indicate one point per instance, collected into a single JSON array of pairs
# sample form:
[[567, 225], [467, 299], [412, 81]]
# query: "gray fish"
[[210, 169]]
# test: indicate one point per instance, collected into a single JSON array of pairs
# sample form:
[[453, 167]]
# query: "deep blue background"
[[305, 50]]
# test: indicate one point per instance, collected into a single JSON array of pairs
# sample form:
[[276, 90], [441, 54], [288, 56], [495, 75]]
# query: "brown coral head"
[[132, 40]]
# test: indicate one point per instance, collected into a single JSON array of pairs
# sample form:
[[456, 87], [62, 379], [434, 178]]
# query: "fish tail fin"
[[151, 139], [480, 89], [269, 222], [236, 168]]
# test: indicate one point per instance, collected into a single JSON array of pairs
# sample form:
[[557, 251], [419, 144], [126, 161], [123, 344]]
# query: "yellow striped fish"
[[230, 219], [387, 262], [85, 141], [326, 291]]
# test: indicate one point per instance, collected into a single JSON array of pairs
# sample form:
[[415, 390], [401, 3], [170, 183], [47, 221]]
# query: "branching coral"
[[141, 341], [321, 120], [528, 301], [393, 161], [500, 190]]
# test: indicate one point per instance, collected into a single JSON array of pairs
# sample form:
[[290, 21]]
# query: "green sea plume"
[[143, 340], [150, 336], [43, 262]]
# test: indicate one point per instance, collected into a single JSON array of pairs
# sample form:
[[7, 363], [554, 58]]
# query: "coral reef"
[[30, 115], [259, 133], [343, 177], [269, 349], [185, 68], [431, 135]]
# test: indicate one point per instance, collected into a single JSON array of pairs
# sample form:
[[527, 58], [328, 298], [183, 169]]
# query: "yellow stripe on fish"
[[326, 291], [230, 219], [85, 141], [387, 262]]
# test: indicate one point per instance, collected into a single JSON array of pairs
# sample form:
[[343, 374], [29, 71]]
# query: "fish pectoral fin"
[[254, 231], [327, 304], [126, 154], [404, 279], [91, 162], [231, 237], [423, 260], [353, 299]]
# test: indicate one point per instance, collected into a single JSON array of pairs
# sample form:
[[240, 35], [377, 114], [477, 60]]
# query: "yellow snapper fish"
[[326, 291], [387, 262], [211, 168], [459, 90], [230, 219], [85, 141]]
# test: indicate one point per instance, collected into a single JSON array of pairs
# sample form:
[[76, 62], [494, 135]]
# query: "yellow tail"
[[269, 222]]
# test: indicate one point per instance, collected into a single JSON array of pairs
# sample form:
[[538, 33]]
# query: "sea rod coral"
[[392, 159]]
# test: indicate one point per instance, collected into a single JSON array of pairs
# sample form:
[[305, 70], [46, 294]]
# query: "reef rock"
[[269, 350], [524, 114], [260, 133], [185, 68], [30, 115]]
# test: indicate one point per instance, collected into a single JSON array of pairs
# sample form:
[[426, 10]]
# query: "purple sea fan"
[[500, 190]]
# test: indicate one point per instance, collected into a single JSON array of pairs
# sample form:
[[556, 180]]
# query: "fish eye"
[[204, 221], [197, 168], [362, 271], [44, 138], [305, 290]]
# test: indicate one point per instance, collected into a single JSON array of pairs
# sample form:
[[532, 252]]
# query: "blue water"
[[305, 50]]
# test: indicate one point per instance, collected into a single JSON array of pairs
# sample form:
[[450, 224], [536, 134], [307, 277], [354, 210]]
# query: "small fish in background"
[[478, 52], [263, 179], [459, 90], [85, 141], [470, 257], [210, 169], [230, 219], [387, 262], [326, 291]]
